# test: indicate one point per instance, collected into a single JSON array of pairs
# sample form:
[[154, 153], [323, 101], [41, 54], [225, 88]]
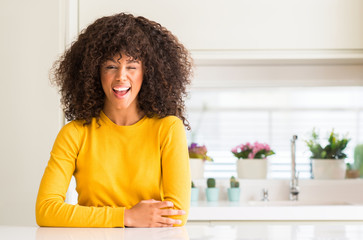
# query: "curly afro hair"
[[166, 62]]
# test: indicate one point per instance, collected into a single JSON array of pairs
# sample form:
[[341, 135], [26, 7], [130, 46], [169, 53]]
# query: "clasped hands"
[[151, 213]]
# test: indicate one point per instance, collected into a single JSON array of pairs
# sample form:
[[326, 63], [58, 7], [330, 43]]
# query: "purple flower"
[[196, 151]]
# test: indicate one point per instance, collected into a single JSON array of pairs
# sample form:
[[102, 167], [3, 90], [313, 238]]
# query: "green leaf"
[[333, 150]]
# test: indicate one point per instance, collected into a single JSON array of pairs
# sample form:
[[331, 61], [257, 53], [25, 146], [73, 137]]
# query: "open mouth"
[[121, 91]]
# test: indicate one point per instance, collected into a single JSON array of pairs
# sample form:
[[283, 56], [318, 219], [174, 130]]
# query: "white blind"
[[222, 118]]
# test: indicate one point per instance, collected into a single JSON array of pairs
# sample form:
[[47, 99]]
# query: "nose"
[[122, 74]]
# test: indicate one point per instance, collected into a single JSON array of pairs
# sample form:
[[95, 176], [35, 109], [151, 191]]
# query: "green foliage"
[[358, 158], [234, 183], [211, 183], [200, 156], [333, 150], [349, 166], [193, 186]]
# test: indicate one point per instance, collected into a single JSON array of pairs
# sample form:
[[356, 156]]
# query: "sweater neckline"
[[109, 122]]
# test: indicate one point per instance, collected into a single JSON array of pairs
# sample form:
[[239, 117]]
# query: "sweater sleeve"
[[176, 170], [51, 210]]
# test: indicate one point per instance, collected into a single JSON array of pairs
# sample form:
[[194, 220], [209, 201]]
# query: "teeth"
[[121, 89]]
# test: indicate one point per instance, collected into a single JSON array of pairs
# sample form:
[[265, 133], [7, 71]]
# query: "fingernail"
[[183, 212], [178, 221]]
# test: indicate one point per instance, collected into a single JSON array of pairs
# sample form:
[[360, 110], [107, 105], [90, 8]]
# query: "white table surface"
[[225, 231]]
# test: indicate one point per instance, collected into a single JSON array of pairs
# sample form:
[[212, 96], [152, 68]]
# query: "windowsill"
[[282, 56]]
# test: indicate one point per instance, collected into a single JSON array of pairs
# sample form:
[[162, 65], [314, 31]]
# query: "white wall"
[[31, 38]]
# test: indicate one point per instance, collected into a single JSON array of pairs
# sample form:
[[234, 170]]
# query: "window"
[[223, 113]]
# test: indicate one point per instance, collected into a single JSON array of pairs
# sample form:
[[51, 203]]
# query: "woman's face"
[[121, 79]]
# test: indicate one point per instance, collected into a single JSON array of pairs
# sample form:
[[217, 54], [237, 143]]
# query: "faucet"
[[265, 195], [294, 182]]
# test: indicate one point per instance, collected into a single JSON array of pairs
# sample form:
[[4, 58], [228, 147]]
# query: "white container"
[[196, 168], [328, 168], [252, 168]]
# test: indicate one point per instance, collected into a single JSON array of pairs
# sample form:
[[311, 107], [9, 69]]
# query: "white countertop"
[[229, 211], [241, 230]]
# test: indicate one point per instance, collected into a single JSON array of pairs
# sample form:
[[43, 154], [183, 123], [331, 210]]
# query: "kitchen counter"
[[319, 200], [280, 211], [238, 230]]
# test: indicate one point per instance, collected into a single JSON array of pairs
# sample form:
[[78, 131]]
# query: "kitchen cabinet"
[[235, 32], [246, 24]]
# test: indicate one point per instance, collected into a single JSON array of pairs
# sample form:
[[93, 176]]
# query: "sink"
[[296, 203]]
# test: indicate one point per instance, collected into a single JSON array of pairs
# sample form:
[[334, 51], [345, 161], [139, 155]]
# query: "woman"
[[123, 84]]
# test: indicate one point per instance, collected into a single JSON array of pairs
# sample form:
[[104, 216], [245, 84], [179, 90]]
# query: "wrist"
[[127, 218]]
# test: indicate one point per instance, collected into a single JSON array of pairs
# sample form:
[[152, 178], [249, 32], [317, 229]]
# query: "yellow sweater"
[[115, 167]]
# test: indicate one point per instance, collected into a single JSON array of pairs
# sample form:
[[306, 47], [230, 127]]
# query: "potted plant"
[[211, 191], [197, 156], [233, 191], [194, 193], [328, 161], [351, 171], [252, 160]]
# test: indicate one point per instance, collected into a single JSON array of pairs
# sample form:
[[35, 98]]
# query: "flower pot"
[[196, 168], [352, 174], [195, 194], [328, 168], [212, 194], [252, 168], [233, 194]]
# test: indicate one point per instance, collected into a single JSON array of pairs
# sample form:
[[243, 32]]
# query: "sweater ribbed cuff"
[[118, 217]]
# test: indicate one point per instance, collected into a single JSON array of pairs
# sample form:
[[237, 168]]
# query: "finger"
[[164, 204], [169, 221], [171, 212]]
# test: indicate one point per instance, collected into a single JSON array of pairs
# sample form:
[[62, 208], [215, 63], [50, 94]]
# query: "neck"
[[123, 117]]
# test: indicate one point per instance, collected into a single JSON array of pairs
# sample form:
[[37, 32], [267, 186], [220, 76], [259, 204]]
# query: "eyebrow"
[[128, 61], [133, 61]]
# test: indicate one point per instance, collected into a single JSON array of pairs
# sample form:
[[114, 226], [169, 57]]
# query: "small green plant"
[[211, 183], [349, 166], [234, 183], [333, 149], [193, 186]]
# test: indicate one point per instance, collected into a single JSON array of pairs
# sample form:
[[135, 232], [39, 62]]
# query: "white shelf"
[[275, 56]]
